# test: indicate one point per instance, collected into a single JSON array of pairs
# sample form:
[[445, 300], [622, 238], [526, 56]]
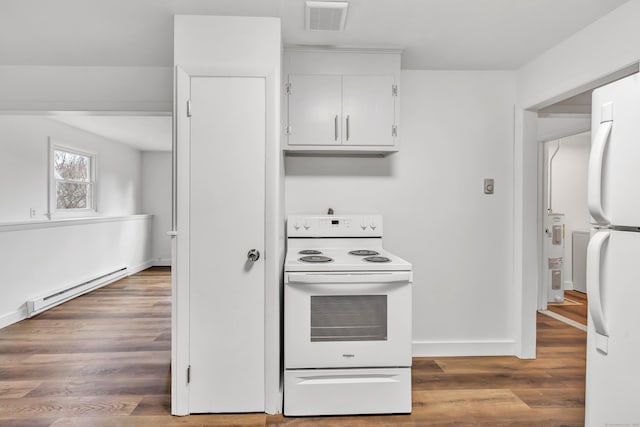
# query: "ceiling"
[[434, 34], [145, 133]]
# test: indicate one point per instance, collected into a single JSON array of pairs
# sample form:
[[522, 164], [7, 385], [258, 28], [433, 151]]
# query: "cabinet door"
[[314, 110], [368, 108]]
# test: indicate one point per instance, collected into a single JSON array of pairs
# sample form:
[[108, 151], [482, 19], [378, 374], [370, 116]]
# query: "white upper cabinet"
[[330, 110], [315, 110], [341, 102], [368, 109]]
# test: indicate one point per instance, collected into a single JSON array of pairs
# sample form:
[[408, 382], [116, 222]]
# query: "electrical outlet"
[[32, 212]]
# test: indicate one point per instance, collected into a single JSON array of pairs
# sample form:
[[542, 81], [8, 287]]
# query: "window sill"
[[64, 222]]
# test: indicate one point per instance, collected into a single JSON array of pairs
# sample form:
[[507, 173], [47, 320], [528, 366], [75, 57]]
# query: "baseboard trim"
[[138, 268], [563, 319], [13, 317], [464, 348], [162, 262], [56, 297]]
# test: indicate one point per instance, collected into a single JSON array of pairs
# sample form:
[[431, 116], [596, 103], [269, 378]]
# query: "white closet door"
[[368, 109], [226, 213], [314, 110]]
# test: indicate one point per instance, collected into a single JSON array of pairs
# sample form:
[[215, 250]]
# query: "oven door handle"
[[313, 278]]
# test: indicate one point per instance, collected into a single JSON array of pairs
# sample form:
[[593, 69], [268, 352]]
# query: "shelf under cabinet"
[[336, 150]]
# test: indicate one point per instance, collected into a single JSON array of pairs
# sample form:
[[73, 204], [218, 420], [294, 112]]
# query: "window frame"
[[54, 211]]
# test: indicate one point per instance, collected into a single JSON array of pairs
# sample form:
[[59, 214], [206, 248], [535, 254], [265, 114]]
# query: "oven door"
[[340, 320]]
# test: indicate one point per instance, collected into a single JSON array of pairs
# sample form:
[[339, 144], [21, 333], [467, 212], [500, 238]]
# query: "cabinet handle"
[[348, 127], [335, 128]]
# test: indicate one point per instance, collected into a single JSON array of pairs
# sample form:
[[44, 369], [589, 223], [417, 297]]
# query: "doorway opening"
[[563, 146], [565, 228], [112, 171]]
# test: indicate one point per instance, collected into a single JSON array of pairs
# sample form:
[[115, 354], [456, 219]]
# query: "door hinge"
[[394, 90], [394, 130], [189, 108], [287, 88], [188, 374]]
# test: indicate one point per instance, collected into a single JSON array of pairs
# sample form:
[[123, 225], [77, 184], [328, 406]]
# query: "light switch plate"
[[488, 186]]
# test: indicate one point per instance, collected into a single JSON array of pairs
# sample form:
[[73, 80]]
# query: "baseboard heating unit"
[[38, 305]]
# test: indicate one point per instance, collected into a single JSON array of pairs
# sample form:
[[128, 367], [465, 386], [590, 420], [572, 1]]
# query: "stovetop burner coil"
[[377, 259], [316, 258], [309, 252], [364, 252]]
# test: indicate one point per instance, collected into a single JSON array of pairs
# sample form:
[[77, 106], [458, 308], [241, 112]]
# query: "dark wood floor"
[[103, 360], [574, 307]]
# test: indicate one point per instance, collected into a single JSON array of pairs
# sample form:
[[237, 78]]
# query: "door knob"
[[253, 255]]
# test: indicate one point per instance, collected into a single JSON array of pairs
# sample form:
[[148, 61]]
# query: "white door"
[[314, 110], [613, 339], [368, 109], [226, 216], [614, 175]]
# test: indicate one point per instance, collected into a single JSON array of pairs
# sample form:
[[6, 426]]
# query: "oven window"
[[349, 318]]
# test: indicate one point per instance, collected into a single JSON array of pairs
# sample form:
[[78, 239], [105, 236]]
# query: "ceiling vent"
[[325, 15]]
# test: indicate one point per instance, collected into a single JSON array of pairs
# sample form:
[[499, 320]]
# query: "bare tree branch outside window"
[[72, 173]]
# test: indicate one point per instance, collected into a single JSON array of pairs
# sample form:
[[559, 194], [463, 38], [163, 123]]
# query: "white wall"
[[38, 259], [210, 45], [58, 88], [607, 45], [569, 189], [456, 128], [156, 200], [24, 156]]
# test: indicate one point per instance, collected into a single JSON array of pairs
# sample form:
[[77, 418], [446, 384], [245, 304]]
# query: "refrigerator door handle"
[[594, 195], [594, 258]]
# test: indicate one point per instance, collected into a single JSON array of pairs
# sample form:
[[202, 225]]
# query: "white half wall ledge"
[[35, 224], [464, 348]]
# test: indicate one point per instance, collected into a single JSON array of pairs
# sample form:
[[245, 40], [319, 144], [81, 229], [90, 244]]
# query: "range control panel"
[[334, 226]]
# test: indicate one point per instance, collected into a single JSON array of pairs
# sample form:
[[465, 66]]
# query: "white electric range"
[[347, 319]]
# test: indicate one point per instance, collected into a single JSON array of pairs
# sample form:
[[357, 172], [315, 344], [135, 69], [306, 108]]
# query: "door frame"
[[528, 206], [274, 229]]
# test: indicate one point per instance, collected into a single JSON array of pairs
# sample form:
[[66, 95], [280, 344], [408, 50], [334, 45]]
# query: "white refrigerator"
[[613, 257]]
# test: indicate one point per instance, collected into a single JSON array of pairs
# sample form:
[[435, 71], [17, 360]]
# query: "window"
[[72, 182]]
